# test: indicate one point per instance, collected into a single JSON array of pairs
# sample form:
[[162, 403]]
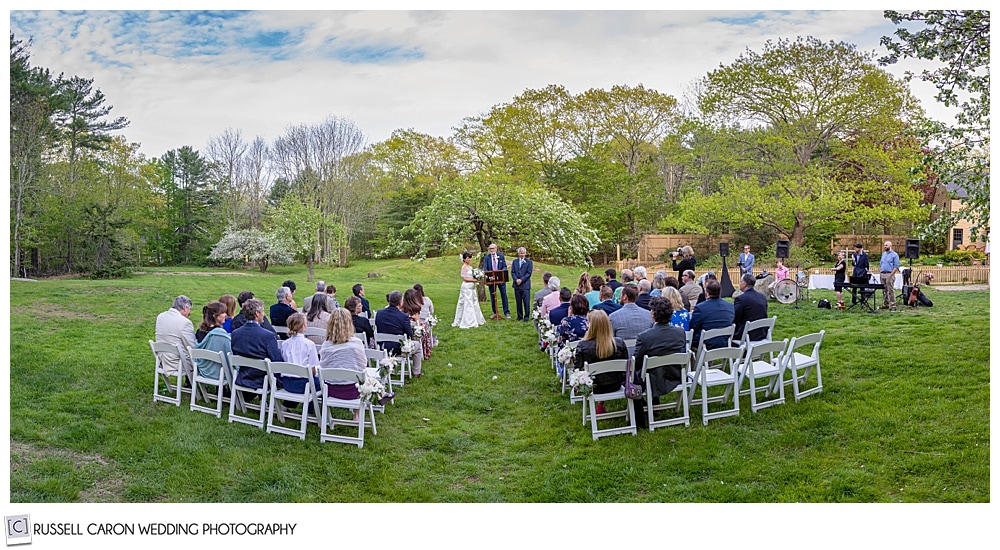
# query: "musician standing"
[[888, 266], [839, 271], [746, 261]]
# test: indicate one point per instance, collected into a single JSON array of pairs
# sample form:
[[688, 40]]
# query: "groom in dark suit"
[[495, 261], [520, 272]]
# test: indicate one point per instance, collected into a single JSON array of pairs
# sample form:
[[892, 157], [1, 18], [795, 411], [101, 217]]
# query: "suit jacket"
[[608, 306], [521, 270], [280, 313], [749, 306], [614, 284], [173, 327], [558, 313], [365, 306], [362, 324], [630, 320], [501, 263], [860, 265], [660, 339], [256, 342], [643, 300], [390, 320], [712, 313], [746, 263], [690, 290], [241, 320], [540, 295]]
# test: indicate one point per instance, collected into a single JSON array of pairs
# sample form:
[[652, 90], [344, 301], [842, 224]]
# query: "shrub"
[[963, 257]]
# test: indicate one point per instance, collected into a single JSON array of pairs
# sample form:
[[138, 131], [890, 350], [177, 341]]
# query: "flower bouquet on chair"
[[581, 382], [372, 388]]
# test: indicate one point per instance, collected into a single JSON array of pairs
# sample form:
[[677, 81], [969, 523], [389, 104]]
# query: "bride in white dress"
[[468, 314]]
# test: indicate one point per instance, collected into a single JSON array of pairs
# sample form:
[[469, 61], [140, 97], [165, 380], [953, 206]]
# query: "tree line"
[[801, 139]]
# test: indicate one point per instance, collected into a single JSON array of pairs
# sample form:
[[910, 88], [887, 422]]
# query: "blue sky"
[[182, 77]]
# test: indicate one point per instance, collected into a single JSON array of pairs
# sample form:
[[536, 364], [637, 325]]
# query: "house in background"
[[960, 237]]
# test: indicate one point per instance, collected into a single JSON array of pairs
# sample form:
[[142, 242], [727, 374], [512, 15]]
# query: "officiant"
[[495, 261]]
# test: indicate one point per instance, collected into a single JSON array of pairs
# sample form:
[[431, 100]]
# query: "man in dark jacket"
[[714, 312], [750, 305], [660, 339], [254, 341]]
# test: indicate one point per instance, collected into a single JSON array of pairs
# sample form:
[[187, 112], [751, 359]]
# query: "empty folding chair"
[[715, 368], [711, 334], [310, 396], [681, 361], [601, 367], [763, 361], [404, 362], [756, 326], [328, 422], [237, 400], [800, 365], [162, 372], [220, 383]]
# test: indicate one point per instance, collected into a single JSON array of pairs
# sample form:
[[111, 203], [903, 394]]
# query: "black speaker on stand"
[[724, 280], [912, 252], [781, 249]]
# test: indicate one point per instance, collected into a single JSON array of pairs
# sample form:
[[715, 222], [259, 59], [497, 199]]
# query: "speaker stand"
[[725, 282]]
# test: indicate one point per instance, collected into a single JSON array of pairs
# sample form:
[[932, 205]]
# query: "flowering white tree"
[[252, 245], [484, 209]]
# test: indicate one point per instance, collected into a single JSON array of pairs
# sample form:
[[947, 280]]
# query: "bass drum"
[[786, 291]]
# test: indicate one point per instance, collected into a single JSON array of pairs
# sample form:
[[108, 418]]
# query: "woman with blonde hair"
[[583, 286], [681, 317], [600, 344], [343, 350], [297, 349]]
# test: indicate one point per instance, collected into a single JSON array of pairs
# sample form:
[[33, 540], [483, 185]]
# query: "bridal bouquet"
[[581, 381], [566, 355], [372, 387], [478, 274], [418, 329], [409, 347], [386, 366]]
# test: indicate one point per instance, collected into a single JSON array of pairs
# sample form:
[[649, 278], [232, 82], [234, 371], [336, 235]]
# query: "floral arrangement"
[[566, 355], [478, 274], [549, 336], [372, 387], [409, 347], [418, 329], [581, 381], [432, 320], [387, 366]]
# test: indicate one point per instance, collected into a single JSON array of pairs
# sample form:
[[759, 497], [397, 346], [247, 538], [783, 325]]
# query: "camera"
[[677, 252]]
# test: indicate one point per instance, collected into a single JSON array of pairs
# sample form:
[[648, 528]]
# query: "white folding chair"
[[374, 356], [681, 360], [716, 367], [236, 400], [160, 372], [275, 406], [328, 422], [363, 337], [630, 344], [712, 333], [404, 362], [220, 383], [800, 365], [688, 338], [565, 372], [316, 331], [763, 360], [601, 367], [767, 323], [282, 332]]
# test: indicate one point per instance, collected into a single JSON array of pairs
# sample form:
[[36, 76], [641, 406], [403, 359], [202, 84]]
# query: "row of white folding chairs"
[[270, 396]]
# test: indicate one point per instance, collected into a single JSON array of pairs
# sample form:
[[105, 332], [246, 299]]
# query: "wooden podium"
[[493, 278]]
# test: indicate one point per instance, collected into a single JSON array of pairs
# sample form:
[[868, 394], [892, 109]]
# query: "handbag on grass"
[[632, 390]]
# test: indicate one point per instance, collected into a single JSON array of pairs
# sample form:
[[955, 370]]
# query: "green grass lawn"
[[904, 416]]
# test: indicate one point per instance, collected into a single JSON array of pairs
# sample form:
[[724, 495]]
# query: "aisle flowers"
[[409, 347], [566, 355], [372, 387], [418, 329], [581, 381], [387, 366], [432, 320]]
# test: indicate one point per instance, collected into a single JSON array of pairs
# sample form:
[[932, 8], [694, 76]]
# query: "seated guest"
[[558, 313], [642, 299], [660, 339], [714, 312], [173, 327], [659, 281], [297, 349], [411, 306], [574, 326], [317, 316], [750, 305], [607, 303], [594, 296], [359, 291], [631, 319], [545, 290], [213, 337], [552, 299], [331, 297], [283, 309], [290, 285], [426, 305], [627, 279], [710, 276], [672, 281], [239, 320], [681, 316], [639, 274], [319, 294], [583, 284], [343, 351], [230, 302], [361, 323], [609, 276], [392, 320], [254, 341], [690, 289], [599, 344]]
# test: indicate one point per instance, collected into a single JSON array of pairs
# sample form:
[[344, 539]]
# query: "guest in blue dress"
[[574, 326], [681, 317]]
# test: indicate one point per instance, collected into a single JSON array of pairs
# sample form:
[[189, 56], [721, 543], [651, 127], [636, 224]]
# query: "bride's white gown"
[[468, 314]]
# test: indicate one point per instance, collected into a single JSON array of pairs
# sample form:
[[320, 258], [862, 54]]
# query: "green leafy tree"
[[252, 245], [301, 225], [960, 41]]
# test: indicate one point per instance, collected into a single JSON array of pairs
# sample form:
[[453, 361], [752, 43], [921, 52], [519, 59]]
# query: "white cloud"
[[450, 64]]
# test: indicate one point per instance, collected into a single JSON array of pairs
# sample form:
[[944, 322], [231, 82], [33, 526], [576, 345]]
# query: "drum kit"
[[788, 291]]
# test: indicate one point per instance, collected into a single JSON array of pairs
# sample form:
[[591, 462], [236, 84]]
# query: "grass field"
[[904, 416]]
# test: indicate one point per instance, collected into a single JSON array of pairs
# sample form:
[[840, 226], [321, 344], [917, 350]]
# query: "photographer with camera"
[[687, 260]]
